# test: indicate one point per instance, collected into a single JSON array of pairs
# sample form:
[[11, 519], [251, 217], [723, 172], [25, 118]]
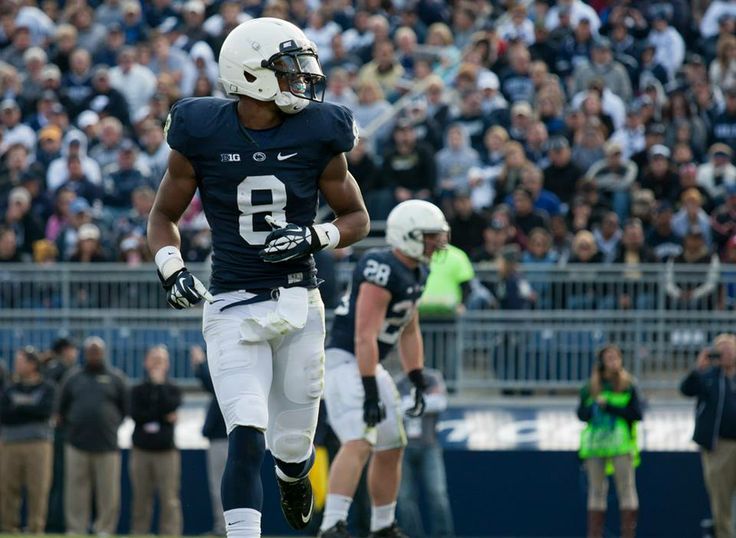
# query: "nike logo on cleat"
[[284, 157], [305, 519]]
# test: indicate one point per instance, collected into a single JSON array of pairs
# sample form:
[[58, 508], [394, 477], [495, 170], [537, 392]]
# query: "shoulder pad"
[[193, 118], [339, 127]]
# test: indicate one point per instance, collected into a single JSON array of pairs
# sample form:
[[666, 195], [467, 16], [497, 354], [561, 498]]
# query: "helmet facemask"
[[299, 67]]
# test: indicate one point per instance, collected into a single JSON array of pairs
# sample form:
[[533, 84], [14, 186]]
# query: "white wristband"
[[328, 234], [169, 261]]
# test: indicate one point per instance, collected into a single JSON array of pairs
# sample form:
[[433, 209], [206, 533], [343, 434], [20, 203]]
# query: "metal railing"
[[547, 348], [70, 287]]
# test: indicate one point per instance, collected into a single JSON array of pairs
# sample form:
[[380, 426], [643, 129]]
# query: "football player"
[[363, 405], [259, 163]]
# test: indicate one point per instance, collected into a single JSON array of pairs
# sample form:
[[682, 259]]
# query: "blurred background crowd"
[[580, 132]]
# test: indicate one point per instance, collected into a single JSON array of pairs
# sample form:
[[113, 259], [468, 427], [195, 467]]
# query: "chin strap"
[[289, 103]]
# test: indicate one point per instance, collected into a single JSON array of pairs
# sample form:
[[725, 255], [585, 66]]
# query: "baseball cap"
[[79, 205], [557, 142], [51, 71], [602, 43], [611, 148], [127, 145], [194, 5], [643, 196], [87, 118], [720, 150], [88, 231], [488, 80], [50, 132], [19, 194], [655, 129], [511, 252], [8, 104], [521, 108], [659, 150]]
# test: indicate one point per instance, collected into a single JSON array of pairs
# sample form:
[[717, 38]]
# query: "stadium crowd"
[[584, 132]]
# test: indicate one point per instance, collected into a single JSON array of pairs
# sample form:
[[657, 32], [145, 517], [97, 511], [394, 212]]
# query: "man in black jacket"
[[27, 404], [93, 402], [713, 382], [155, 463]]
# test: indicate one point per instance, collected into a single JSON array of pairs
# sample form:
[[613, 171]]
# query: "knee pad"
[[291, 446]]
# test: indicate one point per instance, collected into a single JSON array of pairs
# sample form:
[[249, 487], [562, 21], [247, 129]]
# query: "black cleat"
[[338, 530], [296, 502], [389, 532]]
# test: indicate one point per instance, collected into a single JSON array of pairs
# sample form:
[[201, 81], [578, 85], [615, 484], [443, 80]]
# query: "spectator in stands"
[[588, 143], [728, 278], [454, 161], [74, 144], [93, 402], [155, 463], [659, 176], [692, 289], [49, 146], [662, 238], [494, 238], [611, 407], [602, 65], [691, 214], [608, 236], [718, 173], [423, 464], [371, 106], [562, 175], [614, 176], [111, 137], [23, 222], [8, 246], [724, 123], [89, 248], [214, 430], [466, 225], [723, 219], [136, 82], [13, 130], [27, 405], [584, 292], [715, 425], [516, 83], [124, 177], [106, 100], [510, 290], [409, 168], [76, 85], [384, 69], [526, 217]]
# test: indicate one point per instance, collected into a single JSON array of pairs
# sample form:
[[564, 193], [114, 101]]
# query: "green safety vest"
[[607, 435]]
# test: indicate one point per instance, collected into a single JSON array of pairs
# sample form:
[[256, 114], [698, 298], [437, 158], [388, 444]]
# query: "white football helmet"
[[409, 221], [258, 52]]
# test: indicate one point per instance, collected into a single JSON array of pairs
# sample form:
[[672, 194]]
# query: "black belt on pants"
[[260, 296]]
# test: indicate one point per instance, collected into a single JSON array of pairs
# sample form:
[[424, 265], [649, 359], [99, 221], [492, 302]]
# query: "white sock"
[[336, 509], [243, 523], [382, 516]]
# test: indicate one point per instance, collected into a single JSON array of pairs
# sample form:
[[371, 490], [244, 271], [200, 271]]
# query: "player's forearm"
[[353, 226], [411, 350], [366, 351], [162, 232]]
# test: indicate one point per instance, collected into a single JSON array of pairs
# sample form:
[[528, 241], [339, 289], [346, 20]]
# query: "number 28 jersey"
[[244, 175], [382, 268]]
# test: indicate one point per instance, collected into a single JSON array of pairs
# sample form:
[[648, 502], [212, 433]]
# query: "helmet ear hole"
[[249, 77]]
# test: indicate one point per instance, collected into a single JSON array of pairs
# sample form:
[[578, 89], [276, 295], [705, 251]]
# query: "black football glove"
[[373, 409], [184, 290], [289, 241], [420, 385]]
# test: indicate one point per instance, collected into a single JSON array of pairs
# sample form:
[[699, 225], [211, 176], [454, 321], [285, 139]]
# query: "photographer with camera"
[[713, 382], [611, 407]]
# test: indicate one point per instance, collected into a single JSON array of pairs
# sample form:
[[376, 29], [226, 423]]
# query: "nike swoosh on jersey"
[[284, 157]]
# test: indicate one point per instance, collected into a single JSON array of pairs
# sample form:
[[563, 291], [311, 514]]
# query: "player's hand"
[[184, 290], [288, 242], [420, 385], [373, 409]]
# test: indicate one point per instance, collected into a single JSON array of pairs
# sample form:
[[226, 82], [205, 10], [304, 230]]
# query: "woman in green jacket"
[[610, 405]]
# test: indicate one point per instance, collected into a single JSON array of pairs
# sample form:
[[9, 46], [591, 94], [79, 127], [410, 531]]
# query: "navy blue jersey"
[[244, 175], [382, 268]]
